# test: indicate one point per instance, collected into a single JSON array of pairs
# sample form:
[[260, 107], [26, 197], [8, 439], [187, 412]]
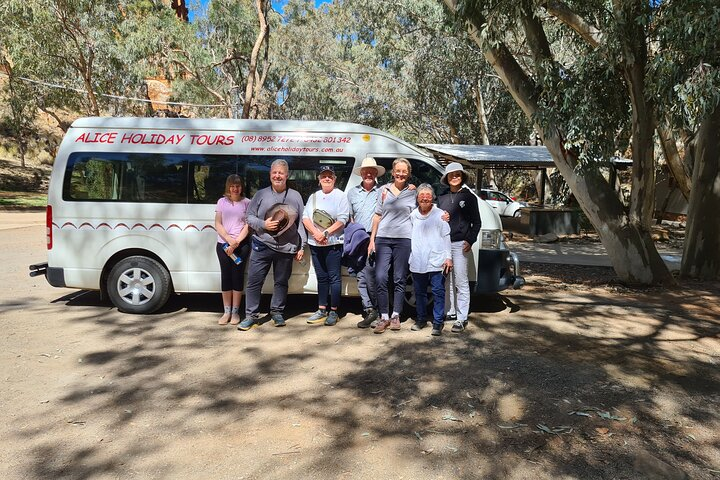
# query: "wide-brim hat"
[[283, 213], [453, 167], [369, 162]]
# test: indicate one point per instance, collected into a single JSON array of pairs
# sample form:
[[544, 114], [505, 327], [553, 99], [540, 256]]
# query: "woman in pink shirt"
[[233, 247]]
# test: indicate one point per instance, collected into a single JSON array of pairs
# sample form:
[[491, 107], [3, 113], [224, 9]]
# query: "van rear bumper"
[[54, 276], [497, 270]]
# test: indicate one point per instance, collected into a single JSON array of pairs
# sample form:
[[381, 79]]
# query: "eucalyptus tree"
[[395, 65], [71, 43], [685, 74], [16, 94], [454, 95], [587, 100], [217, 59], [329, 68]]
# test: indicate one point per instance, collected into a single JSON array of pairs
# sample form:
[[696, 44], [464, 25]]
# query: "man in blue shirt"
[[363, 199]]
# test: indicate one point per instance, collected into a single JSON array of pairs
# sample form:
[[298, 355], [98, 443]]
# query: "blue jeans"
[[437, 284], [326, 262], [395, 252], [367, 286]]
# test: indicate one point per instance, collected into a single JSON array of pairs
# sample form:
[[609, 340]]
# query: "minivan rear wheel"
[[138, 284]]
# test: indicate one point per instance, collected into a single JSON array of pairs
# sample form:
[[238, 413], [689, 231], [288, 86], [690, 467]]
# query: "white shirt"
[[334, 203], [430, 241]]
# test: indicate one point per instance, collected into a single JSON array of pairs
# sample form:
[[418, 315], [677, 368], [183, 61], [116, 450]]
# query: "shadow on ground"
[[639, 371]]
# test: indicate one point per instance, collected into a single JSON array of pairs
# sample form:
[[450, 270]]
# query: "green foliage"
[[400, 66], [686, 71], [71, 42]]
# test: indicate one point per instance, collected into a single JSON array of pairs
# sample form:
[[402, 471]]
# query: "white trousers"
[[459, 304]]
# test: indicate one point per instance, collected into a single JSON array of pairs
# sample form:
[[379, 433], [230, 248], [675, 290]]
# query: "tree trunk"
[[634, 62], [261, 7], [678, 168], [630, 249], [538, 180], [701, 252], [16, 111], [484, 135]]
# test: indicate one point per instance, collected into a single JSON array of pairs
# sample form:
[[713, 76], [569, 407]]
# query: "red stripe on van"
[[49, 227]]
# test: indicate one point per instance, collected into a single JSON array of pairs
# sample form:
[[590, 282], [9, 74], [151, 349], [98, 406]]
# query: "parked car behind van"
[[131, 201], [504, 204]]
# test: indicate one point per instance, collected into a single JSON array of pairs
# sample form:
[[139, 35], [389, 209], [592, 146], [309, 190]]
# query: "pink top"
[[232, 216]]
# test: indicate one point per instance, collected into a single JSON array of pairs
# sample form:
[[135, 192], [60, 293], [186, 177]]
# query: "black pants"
[[263, 258], [232, 275]]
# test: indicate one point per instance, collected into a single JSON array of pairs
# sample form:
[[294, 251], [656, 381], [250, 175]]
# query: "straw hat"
[[369, 162]]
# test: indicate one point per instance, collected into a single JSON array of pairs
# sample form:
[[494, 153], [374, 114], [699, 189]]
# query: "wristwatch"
[[326, 234]]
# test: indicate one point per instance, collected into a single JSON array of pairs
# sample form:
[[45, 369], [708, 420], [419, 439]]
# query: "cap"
[[326, 168]]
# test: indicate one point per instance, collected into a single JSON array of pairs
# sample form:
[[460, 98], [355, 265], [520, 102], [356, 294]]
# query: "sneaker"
[[437, 330], [450, 317], [419, 325], [374, 323], [277, 319], [318, 317], [371, 316], [332, 318], [458, 326], [395, 323], [248, 323], [382, 325]]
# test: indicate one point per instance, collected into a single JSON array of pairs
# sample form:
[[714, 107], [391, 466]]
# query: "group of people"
[[403, 228]]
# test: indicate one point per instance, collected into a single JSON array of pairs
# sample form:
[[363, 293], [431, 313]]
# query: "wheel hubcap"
[[136, 286]]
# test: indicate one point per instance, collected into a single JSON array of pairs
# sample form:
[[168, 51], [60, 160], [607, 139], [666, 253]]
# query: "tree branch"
[[590, 33]]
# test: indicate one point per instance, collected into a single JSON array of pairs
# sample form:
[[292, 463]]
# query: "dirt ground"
[[572, 377]]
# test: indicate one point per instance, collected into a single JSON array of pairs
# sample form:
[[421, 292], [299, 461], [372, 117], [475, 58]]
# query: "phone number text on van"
[[292, 139]]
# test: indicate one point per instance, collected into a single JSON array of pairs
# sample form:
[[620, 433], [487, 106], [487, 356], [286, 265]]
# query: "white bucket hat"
[[453, 167], [369, 162]]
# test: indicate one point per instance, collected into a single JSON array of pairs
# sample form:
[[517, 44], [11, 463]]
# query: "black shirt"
[[464, 214]]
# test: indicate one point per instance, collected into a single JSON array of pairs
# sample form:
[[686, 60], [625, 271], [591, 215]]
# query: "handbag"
[[321, 217]]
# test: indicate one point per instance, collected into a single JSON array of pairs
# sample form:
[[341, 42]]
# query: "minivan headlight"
[[490, 239]]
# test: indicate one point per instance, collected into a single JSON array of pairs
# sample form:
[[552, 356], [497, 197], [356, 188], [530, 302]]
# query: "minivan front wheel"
[[138, 284]]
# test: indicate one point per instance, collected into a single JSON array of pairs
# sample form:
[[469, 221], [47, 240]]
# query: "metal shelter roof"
[[492, 156]]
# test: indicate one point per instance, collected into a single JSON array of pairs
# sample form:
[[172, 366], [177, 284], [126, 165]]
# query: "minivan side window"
[[303, 172], [184, 178], [126, 177]]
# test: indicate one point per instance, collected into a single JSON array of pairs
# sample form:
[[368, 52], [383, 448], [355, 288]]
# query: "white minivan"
[[131, 201]]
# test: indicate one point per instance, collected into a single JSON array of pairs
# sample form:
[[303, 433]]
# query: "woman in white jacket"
[[430, 258]]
